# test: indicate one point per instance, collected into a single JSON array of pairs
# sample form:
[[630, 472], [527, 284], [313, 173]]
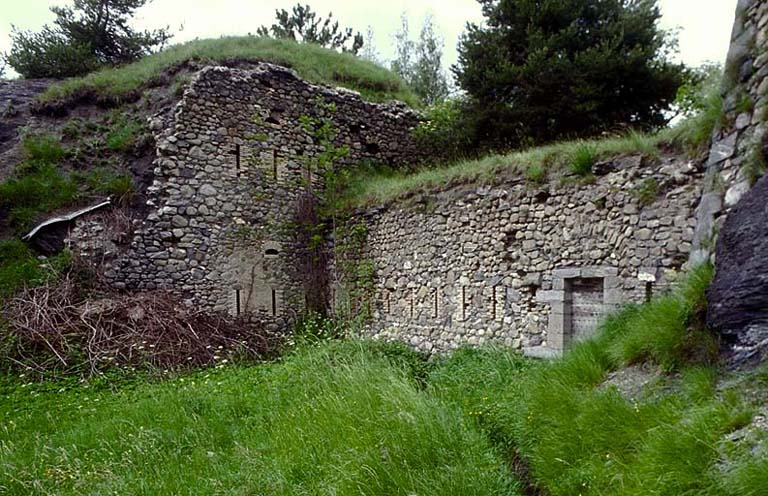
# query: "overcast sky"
[[704, 25]]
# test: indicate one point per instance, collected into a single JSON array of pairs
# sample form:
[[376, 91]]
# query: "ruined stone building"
[[533, 267], [232, 160]]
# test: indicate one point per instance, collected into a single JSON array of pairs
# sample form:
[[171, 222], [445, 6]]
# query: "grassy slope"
[[312, 62], [349, 418], [580, 438]]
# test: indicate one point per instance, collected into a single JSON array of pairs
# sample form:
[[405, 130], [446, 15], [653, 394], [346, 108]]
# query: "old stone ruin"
[[233, 158], [532, 267]]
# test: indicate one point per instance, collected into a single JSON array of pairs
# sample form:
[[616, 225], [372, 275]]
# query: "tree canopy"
[[90, 34], [304, 25], [538, 70], [420, 63]]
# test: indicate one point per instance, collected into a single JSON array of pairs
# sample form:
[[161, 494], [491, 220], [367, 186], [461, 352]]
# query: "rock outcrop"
[[738, 297]]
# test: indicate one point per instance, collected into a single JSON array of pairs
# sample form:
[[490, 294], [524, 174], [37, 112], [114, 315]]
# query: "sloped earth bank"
[[94, 135], [15, 101]]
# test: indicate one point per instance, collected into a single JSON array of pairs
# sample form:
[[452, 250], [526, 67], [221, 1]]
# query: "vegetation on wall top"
[[304, 25], [312, 62]]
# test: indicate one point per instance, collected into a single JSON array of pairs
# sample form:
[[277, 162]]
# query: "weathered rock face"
[[732, 220], [734, 155], [527, 266], [738, 297], [232, 161]]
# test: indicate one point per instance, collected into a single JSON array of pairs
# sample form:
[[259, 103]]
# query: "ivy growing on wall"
[[351, 276]]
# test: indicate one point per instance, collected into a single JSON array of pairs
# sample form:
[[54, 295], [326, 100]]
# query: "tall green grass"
[[577, 436], [40, 184], [355, 417], [312, 62], [334, 419], [693, 133], [20, 268]]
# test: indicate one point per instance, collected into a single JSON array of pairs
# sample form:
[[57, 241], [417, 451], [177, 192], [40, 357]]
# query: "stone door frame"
[[560, 298]]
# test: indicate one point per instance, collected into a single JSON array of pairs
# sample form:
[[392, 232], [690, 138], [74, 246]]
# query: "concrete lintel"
[[550, 296], [567, 273], [599, 271]]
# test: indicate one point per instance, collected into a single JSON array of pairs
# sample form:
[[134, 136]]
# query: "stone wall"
[[233, 158], [733, 218], [526, 266], [737, 155]]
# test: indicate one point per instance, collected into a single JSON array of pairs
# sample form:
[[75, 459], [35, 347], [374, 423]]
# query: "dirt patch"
[[83, 128], [632, 382], [16, 99]]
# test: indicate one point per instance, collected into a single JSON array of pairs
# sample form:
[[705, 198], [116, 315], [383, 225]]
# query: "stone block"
[[567, 273], [550, 296]]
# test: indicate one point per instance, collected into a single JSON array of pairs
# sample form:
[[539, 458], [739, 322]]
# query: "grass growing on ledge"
[[378, 185], [312, 62]]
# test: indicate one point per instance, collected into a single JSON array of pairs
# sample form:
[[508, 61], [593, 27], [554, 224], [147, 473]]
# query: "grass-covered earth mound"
[[312, 62], [641, 409]]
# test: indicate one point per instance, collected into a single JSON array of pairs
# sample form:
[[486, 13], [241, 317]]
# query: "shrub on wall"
[[446, 130]]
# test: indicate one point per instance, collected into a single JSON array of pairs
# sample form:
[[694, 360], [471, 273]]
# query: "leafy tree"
[[303, 24], [369, 48], [402, 65], [420, 63], [49, 54], [544, 69], [89, 34], [428, 78]]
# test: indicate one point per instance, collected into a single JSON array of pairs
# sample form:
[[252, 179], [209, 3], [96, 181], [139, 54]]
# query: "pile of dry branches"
[[56, 328]]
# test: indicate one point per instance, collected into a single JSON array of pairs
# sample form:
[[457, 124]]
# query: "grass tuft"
[[40, 189], [43, 148], [669, 330], [583, 160], [647, 191], [20, 268], [123, 134]]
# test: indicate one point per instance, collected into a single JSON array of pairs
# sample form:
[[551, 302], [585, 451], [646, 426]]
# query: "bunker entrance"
[[586, 306]]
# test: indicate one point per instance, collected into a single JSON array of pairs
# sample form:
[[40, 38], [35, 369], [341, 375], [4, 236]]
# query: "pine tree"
[[402, 65], [546, 69], [428, 77], [369, 47], [85, 36], [302, 24], [420, 63]]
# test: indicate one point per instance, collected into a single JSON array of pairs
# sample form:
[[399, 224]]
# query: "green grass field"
[[333, 420], [358, 417], [312, 62]]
